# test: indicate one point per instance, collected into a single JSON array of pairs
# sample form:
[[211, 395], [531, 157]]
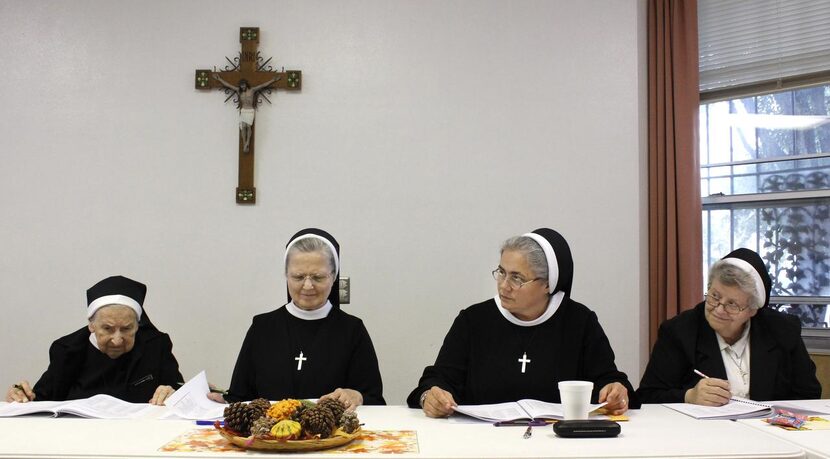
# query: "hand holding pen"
[[709, 391], [21, 392]]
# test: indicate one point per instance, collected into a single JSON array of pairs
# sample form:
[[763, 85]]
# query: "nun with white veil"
[[308, 347], [521, 342]]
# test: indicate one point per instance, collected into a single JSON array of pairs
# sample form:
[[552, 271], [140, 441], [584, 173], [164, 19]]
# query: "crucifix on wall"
[[248, 79]]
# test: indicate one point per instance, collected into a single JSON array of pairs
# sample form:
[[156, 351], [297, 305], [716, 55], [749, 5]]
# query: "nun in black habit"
[[309, 347], [520, 343], [119, 353], [743, 347]]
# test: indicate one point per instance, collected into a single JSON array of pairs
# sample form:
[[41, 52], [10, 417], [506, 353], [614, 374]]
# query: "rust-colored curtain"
[[674, 219]]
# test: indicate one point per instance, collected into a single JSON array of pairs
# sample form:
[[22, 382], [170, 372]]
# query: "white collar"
[[94, 341], [320, 313], [740, 345], [553, 305]]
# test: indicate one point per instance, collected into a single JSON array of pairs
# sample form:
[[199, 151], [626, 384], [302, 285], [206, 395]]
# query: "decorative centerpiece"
[[289, 425]]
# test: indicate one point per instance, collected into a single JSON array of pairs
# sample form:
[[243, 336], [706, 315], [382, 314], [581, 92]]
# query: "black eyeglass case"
[[591, 428]]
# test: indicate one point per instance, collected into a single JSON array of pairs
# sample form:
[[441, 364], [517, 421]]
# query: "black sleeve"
[[53, 385], [450, 369], [243, 385], [364, 374], [169, 374], [598, 361], [669, 372], [804, 384]]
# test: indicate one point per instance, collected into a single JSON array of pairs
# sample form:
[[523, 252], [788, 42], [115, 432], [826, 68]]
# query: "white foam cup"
[[576, 398]]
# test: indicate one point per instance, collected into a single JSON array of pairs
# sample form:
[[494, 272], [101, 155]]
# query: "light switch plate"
[[345, 291]]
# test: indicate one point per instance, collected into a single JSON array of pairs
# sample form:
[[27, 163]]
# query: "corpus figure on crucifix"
[[247, 105], [248, 75]]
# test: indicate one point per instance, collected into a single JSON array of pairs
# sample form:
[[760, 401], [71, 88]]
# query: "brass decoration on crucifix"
[[248, 79]]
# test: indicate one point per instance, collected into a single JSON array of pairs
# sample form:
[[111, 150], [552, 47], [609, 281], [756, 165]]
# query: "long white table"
[[654, 431], [816, 443]]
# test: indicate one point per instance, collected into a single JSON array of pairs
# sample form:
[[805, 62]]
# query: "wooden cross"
[[246, 79]]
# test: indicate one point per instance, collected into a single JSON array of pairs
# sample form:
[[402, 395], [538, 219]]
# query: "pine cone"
[[317, 421], [336, 406], [304, 405], [349, 422], [262, 426], [237, 418], [258, 408]]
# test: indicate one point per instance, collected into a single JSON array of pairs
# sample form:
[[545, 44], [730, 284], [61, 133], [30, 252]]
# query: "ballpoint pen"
[[201, 422], [528, 432], [532, 422]]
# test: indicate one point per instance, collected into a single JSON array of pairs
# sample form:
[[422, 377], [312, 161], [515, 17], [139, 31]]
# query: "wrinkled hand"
[[161, 394], [218, 397], [438, 403], [616, 396], [349, 397], [20, 392], [709, 392]]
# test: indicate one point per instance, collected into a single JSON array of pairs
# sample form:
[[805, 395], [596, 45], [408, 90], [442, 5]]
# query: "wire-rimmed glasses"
[[514, 280], [713, 300]]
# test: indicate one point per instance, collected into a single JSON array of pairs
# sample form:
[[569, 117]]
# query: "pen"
[[209, 423], [700, 373], [18, 387], [532, 422]]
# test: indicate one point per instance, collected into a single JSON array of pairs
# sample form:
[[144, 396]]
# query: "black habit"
[[780, 368], [479, 360], [336, 351], [78, 370]]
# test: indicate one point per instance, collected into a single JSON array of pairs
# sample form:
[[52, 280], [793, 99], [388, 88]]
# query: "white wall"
[[426, 133]]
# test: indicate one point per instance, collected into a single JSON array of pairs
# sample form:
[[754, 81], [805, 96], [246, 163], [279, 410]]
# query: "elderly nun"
[[309, 347], [520, 343], [119, 353], [731, 344]]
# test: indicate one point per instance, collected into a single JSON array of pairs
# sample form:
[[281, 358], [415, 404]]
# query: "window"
[[765, 146], [765, 182]]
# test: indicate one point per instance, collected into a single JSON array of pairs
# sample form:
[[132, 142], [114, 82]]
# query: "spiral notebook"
[[742, 408]]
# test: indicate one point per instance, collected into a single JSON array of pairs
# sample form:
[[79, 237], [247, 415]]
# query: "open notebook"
[[189, 402], [513, 411], [741, 408], [98, 406]]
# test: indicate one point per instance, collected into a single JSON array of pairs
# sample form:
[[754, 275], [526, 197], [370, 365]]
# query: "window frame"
[[817, 340], [749, 48]]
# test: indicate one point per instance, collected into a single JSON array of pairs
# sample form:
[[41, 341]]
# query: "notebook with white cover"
[[526, 409]]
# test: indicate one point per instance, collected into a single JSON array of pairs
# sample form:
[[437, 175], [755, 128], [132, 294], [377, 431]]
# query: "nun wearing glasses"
[[730, 344], [309, 347], [524, 340]]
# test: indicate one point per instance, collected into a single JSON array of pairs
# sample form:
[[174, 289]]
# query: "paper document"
[[191, 402], [523, 409], [98, 406]]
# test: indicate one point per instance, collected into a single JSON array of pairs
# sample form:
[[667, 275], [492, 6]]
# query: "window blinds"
[[747, 42]]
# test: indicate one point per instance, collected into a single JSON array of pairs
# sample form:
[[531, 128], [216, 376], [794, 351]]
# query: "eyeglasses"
[[316, 279], [731, 307], [514, 281]]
